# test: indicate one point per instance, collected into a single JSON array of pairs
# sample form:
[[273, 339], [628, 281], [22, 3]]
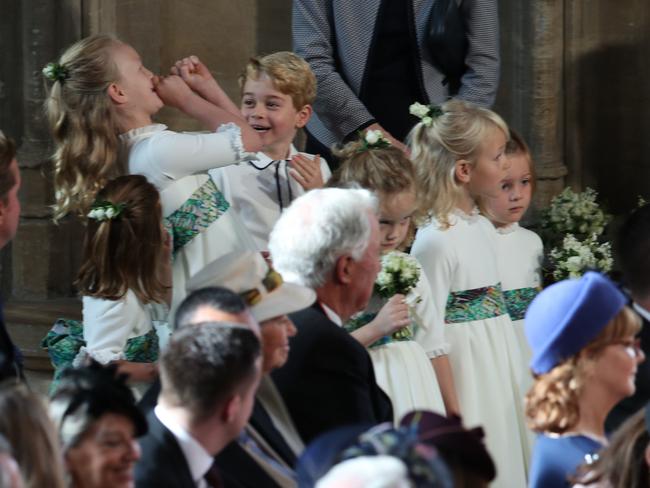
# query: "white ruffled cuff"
[[233, 131], [103, 356], [443, 350]]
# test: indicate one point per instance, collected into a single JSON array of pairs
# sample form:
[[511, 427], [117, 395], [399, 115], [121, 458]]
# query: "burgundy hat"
[[453, 441]]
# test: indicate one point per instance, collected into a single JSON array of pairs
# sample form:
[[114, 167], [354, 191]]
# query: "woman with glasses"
[[585, 358]]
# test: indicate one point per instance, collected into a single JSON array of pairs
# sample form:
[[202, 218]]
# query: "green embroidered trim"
[[402, 335], [198, 212], [65, 339], [517, 301], [477, 304]]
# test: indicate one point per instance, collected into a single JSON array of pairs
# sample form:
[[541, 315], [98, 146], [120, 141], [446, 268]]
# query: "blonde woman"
[[25, 423], [584, 362]]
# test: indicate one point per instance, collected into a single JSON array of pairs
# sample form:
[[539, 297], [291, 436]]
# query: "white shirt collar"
[[641, 311], [264, 160], [332, 315], [198, 459]]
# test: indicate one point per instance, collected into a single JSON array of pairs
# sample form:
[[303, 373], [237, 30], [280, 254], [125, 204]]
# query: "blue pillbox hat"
[[567, 316]]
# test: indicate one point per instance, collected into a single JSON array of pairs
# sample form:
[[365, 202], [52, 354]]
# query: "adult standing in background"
[[371, 59]]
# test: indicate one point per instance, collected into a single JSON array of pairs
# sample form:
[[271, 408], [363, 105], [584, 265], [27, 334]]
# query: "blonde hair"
[[289, 73], [125, 252], [25, 423], [455, 134], [552, 403], [84, 124]]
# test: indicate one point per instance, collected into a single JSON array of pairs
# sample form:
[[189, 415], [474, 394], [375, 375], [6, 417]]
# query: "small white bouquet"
[[574, 213], [575, 257], [399, 274]]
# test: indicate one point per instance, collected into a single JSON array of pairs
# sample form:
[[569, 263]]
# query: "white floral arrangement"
[[399, 274], [373, 139], [574, 257], [101, 211], [574, 213], [426, 113]]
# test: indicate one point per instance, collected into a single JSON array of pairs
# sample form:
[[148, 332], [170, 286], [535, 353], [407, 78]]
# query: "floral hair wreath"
[[373, 139], [104, 210], [56, 72], [426, 113]]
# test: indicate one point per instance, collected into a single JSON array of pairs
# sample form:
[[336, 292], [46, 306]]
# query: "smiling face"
[[515, 193], [615, 367], [106, 454], [273, 115], [395, 213], [136, 83], [490, 165], [275, 341]]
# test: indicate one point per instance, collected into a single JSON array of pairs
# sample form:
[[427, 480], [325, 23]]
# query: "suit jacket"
[[335, 38], [329, 380], [162, 463]]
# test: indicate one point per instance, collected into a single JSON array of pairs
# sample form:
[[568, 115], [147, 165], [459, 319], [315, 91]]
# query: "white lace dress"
[[403, 367], [461, 264], [203, 225], [520, 253]]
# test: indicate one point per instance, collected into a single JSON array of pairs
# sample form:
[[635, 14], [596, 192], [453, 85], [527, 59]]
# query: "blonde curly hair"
[[84, 124]]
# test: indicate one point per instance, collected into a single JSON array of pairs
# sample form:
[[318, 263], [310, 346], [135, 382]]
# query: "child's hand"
[[306, 171], [195, 74], [393, 316], [173, 91]]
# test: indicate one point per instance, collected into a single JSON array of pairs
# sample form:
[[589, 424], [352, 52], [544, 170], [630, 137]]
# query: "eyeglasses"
[[632, 347]]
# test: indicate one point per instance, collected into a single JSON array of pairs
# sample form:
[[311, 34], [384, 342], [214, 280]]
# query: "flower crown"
[[56, 72], [373, 139], [426, 113], [105, 211]]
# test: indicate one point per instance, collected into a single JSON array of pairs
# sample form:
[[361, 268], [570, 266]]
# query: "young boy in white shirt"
[[277, 93]]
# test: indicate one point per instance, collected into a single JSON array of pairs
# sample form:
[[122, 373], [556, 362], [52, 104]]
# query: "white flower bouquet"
[[574, 257], [574, 213], [399, 274]]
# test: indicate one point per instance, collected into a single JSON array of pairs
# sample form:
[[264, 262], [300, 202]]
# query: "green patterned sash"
[[65, 339], [477, 304], [200, 210], [517, 301]]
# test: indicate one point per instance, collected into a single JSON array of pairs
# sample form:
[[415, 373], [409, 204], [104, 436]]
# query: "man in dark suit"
[[634, 262], [10, 357], [209, 373], [329, 240]]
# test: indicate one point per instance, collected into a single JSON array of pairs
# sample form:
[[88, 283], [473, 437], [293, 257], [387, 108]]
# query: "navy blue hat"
[[567, 316]]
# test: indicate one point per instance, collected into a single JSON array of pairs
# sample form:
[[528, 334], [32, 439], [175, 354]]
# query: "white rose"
[[110, 213], [427, 120], [373, 136], [100, 214], [419, 110]]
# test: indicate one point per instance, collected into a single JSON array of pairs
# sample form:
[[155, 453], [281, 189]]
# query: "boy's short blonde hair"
[[289, 73]]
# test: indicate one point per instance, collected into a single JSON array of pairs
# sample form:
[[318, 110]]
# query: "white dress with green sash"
[[461, 264], [202, 224]]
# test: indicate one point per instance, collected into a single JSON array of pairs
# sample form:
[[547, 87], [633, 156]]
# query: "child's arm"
[[174, 92], [393, 316], [198, 77], [445, 378]]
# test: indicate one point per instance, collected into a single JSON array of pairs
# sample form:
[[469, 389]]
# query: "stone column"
[[531, 95]]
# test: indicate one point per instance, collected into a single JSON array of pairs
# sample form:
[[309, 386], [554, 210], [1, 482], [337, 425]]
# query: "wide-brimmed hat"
[[261, 287], [567, 316]]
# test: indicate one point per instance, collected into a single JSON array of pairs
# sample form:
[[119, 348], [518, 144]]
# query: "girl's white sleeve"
[[431, 334], [178, 154], [436, 256], [108, 324]]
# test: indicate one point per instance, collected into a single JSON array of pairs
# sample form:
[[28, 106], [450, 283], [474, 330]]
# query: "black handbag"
[[447, 41]]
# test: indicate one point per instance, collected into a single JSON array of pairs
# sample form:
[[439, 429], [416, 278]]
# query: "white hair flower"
[[419, 110], [373, 136]]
